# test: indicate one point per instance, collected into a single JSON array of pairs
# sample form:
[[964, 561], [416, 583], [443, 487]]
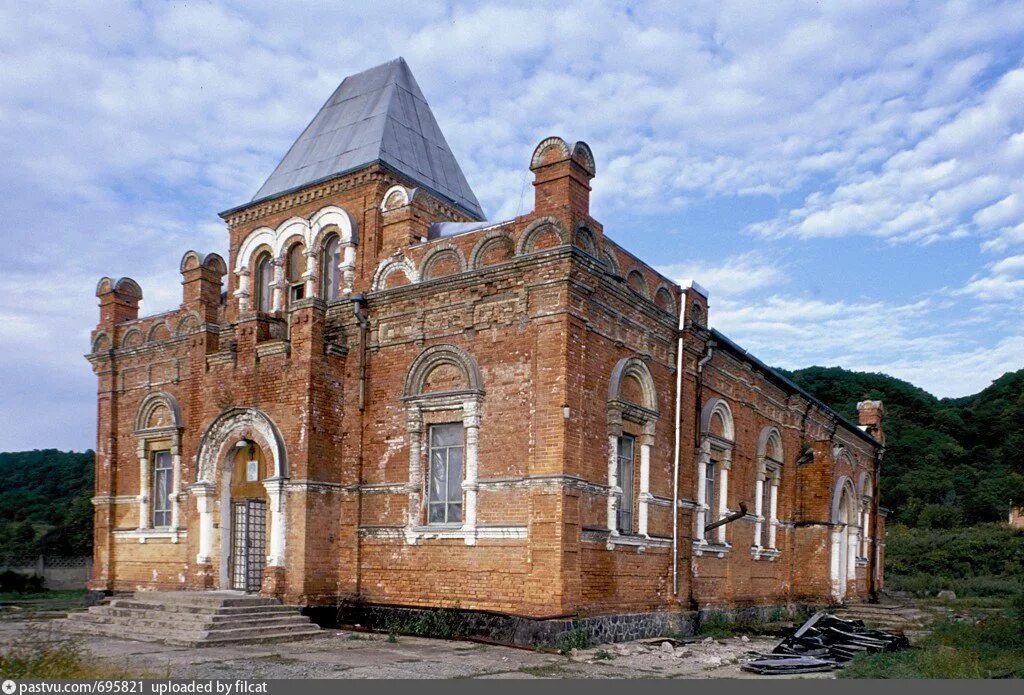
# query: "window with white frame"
[[625, 472], [710, 474], [163, 473], [713, 464], [444, 496], [766, 494]]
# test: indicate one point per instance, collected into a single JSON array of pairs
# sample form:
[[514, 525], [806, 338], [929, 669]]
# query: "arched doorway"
[[244, 536], [241, 481], [844, 538]]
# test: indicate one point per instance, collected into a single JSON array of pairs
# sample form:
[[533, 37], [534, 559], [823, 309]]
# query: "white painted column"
[[759, 510], [279, 283], [242, 294], [866, 532], [278, 520], [723, 496], [645, 485], [851, 553], [613, 483], [471, 421], [175, 485], [773, 513], [145, 520], [310, 275], [702, 489], [414, 426], [347, 267], [834, 562], [204, 503]]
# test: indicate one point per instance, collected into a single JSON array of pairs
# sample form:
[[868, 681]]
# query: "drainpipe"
[[875, 504], [359, 307], [709, 350], [675, 453]]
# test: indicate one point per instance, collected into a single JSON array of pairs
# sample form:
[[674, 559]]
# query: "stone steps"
[[891, 617], [194, 619]]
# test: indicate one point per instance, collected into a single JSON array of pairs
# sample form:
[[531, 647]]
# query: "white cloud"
[[736, 275]]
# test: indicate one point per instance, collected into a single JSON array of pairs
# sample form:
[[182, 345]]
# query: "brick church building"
[[381, 399]]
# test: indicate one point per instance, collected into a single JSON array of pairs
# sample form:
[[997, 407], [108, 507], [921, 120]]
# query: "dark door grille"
[[249, 544]]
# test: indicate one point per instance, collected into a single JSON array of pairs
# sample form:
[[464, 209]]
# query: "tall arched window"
[[329, 272], [295, 268], [713, 464], [766, 492], [264, 282]]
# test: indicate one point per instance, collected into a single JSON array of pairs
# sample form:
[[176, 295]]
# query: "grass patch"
[[991, 646], [63, 595], [39, 655], [576, 638]]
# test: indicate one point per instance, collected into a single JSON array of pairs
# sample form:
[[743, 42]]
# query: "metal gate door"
[[249, 544]]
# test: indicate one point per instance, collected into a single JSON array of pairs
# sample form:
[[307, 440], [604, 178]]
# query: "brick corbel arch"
[[526, 238]]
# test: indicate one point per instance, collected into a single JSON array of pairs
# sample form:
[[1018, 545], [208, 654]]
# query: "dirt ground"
[[343, 654]]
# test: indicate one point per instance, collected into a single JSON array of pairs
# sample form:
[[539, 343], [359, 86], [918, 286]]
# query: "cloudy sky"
[[847, 179]]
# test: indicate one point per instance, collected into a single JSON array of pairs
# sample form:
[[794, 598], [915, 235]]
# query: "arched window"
[[264, 282], [632, 416], [443, 395], [329, 273], [766, 492], [295, 268], [713, 464], [157, 433]]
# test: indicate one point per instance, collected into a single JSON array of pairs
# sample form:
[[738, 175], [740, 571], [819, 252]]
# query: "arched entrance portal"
[[240, 481], [244, 537], [844, 538]]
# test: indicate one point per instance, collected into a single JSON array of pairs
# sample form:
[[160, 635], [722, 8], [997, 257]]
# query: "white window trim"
[[469, 403], [710, 443]]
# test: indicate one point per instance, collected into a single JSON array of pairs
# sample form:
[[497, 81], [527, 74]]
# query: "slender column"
[[703, 504], [851, 553], [175, 483], [278, 520], [645, 484], [773, 512], [414, 425], [144, 517], [723, 495], [865, 534], [278, 297], [310, 275], [242, 293], [759, 510], [347, 267], [613, 483], [834, 560], [471, 421], [204, 504]]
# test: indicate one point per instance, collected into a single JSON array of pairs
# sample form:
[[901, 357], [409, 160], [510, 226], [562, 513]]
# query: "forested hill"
[[44, 502], [948, 461]]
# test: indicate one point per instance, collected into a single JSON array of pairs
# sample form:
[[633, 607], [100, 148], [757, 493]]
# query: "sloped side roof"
[[379, 114]]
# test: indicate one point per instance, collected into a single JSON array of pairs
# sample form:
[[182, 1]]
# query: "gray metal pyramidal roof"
[[378, 115]]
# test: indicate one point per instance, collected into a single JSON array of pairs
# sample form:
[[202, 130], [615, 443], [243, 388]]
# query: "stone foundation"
[[530, 632]]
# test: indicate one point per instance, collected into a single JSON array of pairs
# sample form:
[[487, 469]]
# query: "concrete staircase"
[[194, 619], [891, 617]]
